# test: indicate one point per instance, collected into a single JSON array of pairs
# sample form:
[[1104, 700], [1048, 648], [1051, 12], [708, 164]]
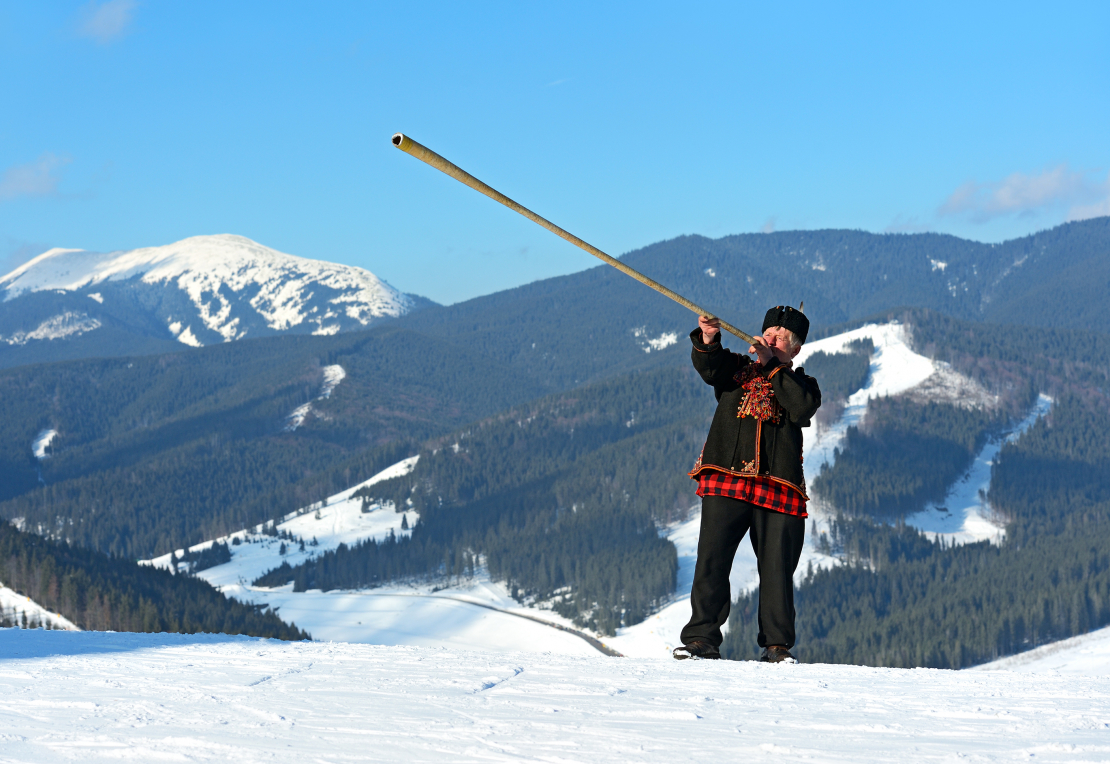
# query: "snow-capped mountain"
[[198, 291]]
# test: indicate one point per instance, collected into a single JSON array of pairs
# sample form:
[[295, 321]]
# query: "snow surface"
[[16, 606], [55, 328], [186, 337], [1085, 655], [965, 515], [159, 697], [333, 375], [42, 442], [648, 344], [895, 369], [469, 613], [206, 267]]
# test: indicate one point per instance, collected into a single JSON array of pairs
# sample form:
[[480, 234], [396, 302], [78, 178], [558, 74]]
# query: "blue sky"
[[127, 124]]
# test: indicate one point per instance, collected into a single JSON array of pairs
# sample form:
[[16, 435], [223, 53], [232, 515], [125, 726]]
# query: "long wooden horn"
[[426, 155]]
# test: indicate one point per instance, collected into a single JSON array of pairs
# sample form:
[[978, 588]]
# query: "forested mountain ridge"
[[551, 326], [554, 327], [158, 452]]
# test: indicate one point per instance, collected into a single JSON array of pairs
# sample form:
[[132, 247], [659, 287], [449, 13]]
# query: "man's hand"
[[710, 329], [762, 352]]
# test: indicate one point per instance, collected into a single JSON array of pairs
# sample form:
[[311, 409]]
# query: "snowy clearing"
[[648, 344], [333, 375], [964, 516], [155, 697], [338, 520], [895, 369], [42, 442], [16, 608], [58, 327]]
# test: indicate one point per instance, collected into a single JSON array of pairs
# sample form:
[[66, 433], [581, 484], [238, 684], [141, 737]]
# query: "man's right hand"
[[710, 329]]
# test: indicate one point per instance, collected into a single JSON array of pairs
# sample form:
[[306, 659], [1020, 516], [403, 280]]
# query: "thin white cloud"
[[902, 224], [768, 225], [38, 178], [1021, 194], [106, 22], [1098, 209]]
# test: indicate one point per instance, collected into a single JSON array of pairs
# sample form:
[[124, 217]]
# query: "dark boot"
[[697, 649], [777, 654]]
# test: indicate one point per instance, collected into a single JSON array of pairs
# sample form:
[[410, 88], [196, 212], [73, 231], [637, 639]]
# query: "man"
[[750, 479]]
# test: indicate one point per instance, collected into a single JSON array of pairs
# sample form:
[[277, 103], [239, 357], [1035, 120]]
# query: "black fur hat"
[[788, 318]]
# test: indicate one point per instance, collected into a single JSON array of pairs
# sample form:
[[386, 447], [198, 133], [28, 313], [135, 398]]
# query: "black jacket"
[[760, 413]]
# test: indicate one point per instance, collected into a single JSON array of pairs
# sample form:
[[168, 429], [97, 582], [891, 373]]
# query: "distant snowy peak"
[[233, 287]]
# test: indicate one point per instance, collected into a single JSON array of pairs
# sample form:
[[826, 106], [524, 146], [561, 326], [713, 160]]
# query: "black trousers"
[[777, 539]]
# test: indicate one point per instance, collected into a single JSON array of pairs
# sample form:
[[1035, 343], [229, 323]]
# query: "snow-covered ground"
[[648, 344], [21, 610], [155, 697], [1085, 655], [42, 442], [473, 613], [965, 515], [333, 375]]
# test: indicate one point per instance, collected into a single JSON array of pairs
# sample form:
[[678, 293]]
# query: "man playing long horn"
[[750, 479]]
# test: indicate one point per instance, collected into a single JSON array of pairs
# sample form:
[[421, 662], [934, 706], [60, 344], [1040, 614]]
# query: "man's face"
[[778, 339]]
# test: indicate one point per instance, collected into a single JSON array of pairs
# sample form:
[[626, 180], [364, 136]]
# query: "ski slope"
[[155, 697], [1085, 655], [965, 516]]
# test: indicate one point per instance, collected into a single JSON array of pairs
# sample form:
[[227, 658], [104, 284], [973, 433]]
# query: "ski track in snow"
[[157, 697]]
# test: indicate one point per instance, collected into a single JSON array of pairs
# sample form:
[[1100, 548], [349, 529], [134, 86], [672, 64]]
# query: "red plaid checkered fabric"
[[761, 491]]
